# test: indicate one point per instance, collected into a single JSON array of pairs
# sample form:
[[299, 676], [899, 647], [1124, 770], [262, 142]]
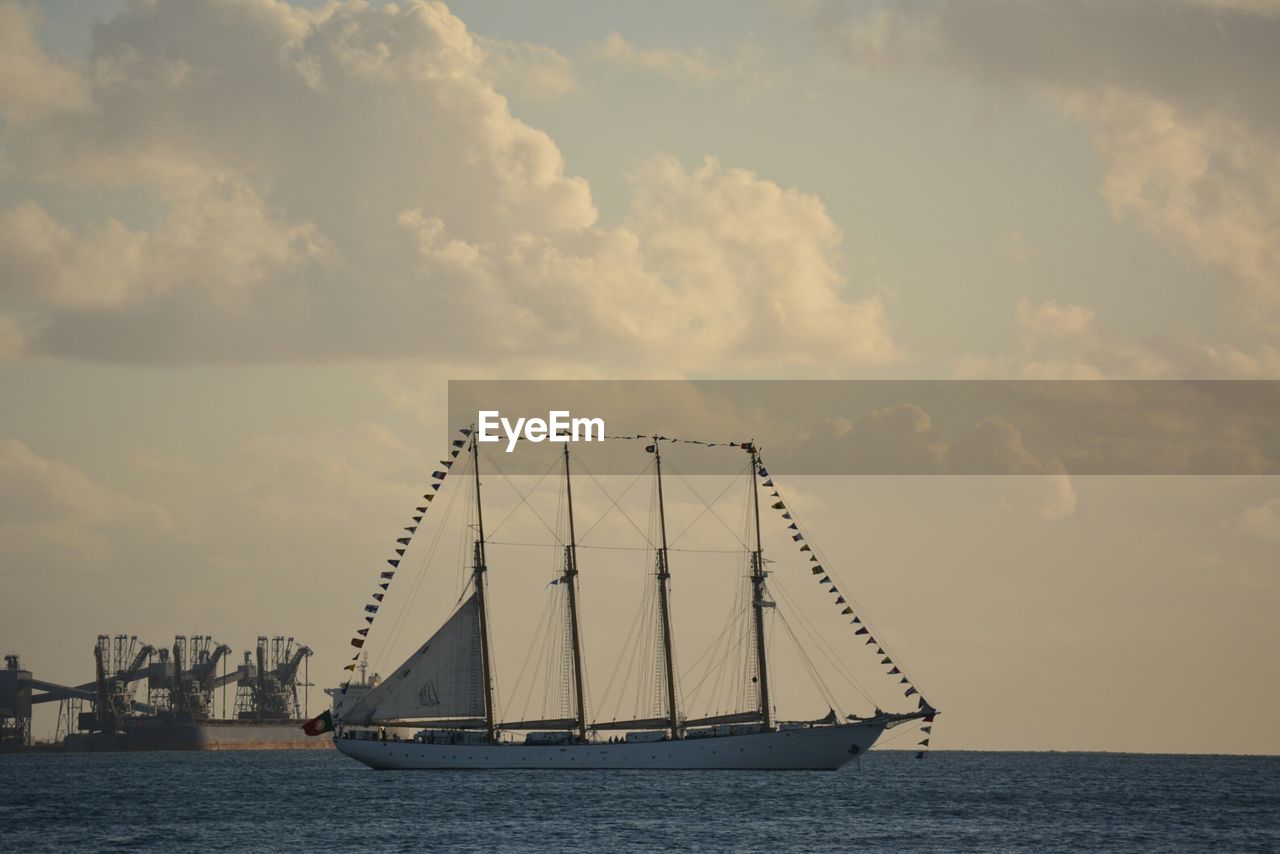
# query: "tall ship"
[[437, 710]]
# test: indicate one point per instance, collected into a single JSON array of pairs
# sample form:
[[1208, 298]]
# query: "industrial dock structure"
[[169, 698]]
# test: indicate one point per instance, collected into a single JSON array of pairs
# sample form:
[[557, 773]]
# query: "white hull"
[[823, 748]]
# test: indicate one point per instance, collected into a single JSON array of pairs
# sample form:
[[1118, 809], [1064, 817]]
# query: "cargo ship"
[[155, 733], [144, 698]]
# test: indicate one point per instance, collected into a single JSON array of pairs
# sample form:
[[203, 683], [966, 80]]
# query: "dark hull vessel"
[[156, 734]]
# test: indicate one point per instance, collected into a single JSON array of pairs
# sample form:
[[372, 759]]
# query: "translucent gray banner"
[[984, 427]]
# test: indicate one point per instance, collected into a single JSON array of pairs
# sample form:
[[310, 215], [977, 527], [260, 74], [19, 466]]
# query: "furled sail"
[[443, 679]]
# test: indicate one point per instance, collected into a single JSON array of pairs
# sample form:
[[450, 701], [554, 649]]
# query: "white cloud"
[[1178, 96], [1211, 184], [531, 71], [13, 339], [1062, 341], [33, 85], [348, 182], [51, 506], [1262, 520], [903, 439], [1052, 320], [676, 65]]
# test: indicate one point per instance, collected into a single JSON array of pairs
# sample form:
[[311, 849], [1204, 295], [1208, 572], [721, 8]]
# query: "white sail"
[[443, 679]]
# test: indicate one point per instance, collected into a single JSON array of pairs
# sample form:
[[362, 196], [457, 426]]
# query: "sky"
[[244, 244]]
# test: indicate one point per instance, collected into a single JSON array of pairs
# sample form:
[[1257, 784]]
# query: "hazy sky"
[[245, 243]]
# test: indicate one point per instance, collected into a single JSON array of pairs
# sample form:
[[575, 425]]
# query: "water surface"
[[322, 801]]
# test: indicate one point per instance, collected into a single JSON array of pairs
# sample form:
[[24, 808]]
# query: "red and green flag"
[[320, 724]]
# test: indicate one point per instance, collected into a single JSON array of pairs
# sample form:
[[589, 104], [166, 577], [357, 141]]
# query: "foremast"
[[478, 577], [664, 608], [758, 601], [570, 578]]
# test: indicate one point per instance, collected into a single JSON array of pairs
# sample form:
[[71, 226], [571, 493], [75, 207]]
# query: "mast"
[[478, 571], [757, 595], [664, 574], [571, 578]]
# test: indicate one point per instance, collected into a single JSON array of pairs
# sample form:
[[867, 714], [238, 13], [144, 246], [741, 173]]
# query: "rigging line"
[[524, 498], [643, 656], [489, 542], [707, 507], [828, 652], [906, 730], [718, 671], [613, 504], [520, 674], [423, 565], [734, 614], [812, 670], [737, 610], [549, 643], [853, 602], [772, 641], [848, 594], [635, 622]]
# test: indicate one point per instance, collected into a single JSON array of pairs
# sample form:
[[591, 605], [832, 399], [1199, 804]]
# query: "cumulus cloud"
[[902, 439], [532, 71], [33, 85], [1179, 97], [349, 182], [1064, 341], [1052, 320], [13, 340], [676, 65], [49, 504], [1261, 520]]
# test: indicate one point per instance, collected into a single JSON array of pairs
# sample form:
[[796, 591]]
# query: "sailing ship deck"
[[819, 748]]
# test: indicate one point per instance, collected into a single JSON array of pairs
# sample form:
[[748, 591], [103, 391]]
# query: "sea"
[[887, 801]]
